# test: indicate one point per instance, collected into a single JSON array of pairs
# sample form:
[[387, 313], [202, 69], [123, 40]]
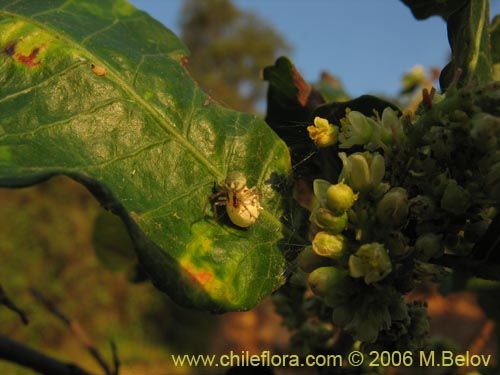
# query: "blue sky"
[[368, 44]]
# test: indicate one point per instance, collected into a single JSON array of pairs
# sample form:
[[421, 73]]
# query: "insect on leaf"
[[98, 91]]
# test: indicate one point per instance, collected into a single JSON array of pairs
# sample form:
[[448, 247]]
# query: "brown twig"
[[78, 331], [21, 354], [7, 302]]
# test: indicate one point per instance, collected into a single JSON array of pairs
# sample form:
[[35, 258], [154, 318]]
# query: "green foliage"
[[468, 33], [469, 36], [98, 91]]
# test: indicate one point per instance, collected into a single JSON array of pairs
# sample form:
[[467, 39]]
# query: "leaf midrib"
[[160, 121], [477, 39]]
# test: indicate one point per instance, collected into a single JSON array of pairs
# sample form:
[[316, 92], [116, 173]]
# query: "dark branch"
[[76, 328], [7, 302], [15, 352], [116, 360]]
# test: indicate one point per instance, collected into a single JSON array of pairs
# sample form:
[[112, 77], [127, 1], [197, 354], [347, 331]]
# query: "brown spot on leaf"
[[185, 61], [99, 70], [10, 48], [29, 59]]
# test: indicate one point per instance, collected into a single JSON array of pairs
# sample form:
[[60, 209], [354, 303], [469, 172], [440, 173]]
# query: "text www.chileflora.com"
[[244, 358]]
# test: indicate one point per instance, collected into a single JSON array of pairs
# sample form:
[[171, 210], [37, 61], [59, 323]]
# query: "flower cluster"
[[426, 185]]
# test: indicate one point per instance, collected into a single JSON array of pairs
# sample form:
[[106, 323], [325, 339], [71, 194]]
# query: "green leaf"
[[495, 47], [468, 33], [423, 9], [98, 91]]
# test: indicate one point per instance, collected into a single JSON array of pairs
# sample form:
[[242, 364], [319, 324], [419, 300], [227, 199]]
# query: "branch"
[[15, 352], [79, 333], [5, 300], [116, 359]]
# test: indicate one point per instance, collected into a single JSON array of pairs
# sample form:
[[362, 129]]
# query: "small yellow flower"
[[323, 133]]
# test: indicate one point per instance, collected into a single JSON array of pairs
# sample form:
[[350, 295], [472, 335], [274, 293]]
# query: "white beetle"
[[242, 204]]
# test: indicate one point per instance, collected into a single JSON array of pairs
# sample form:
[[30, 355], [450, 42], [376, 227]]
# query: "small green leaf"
[[468, 33], [98, 91], [423, 9]]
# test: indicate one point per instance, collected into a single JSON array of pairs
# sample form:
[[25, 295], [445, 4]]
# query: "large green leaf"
[[99, 91], [468, 33]]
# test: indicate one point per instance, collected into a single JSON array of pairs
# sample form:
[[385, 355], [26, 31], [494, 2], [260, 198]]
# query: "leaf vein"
[[11, 4], [100, 31], [59, 74], [128, 155], [60, 8], [188, 193], [165, 124], [53, 124]]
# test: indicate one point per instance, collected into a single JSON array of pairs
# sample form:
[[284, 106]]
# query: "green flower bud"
[[422, 207], [397, 244], [356, 129], [371, 261], [485, 131], [340, 197], [362, 171], [322, 280], [455, 199], [325, 219], [459, 116], [439, 183], [484, 126], [393, 207], [329, 245], [323, 133], [379, 191], [390, 126], [429, 245], [308, 260]]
